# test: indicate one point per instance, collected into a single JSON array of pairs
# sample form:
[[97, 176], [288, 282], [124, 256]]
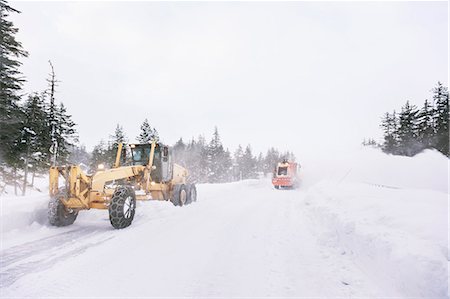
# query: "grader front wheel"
[[122, 207], [58, 214]]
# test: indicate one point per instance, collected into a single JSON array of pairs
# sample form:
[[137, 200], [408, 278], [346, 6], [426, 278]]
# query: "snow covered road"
[[379, 230], [239, 239]]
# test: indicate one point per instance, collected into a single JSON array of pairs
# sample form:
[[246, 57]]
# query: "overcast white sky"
[[301, 76]]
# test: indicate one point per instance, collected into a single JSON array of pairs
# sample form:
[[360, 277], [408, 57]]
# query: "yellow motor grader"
[[147, 172]]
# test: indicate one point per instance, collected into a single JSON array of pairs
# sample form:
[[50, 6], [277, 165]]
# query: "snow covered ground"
[[362, 225]]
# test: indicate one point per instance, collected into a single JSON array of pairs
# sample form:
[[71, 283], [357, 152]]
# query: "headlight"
[[101, 167]]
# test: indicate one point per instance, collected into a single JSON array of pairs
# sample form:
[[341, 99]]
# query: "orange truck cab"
[[285, 175]]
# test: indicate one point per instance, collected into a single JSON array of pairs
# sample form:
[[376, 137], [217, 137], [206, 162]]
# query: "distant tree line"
[[207, 162], [412, 130], [212, 162], [36, 131]]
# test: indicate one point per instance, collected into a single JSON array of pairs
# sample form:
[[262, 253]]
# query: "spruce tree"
[[249, 164], [197, 160], [147, 134], [408, 131], [216, 153], [33, 134], [227, 167], [179, 152], [441, 118], [425, 126], [271, 160], [113, 145], [11, 81], [238, 167], [79, 155], [100, 155], [260, 163], [389, 123], [65, 133]]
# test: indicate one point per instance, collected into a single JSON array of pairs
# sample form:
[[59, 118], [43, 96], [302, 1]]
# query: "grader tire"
[[58, 214], [179, 195], [122, 207], [191, 193]]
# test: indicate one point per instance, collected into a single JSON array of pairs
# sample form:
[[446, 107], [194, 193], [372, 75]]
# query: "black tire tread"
[[176, 194], [191, 191], [57, 213], [116, 215]]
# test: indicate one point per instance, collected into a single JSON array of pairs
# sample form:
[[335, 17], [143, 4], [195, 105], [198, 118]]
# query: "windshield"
[[282, 170], [140, 155]]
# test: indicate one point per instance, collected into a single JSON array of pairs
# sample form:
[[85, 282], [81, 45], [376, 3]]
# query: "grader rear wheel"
[[122, 207], [191, 193], [179, 195], [58, 214]]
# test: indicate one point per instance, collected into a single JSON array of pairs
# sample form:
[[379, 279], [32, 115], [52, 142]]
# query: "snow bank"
[[427, 170], [390, 214]]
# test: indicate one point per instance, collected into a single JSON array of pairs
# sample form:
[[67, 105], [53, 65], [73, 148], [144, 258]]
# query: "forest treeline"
[[208, 161], [414, 129]]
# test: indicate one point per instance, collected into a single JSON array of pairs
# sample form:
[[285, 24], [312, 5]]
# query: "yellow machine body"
[[86, 191]]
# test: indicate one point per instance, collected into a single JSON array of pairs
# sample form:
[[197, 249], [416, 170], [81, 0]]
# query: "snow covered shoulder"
[[390, 215]]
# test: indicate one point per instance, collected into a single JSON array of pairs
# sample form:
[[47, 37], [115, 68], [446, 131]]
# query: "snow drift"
[[390, 213]]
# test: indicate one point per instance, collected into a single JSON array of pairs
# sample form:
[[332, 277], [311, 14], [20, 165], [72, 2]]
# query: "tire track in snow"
[[39, 255]]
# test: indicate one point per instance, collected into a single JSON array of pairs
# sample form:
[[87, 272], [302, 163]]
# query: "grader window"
[[140, 155]]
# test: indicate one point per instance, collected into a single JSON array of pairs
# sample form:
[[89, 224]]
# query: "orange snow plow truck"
[[285, 175]]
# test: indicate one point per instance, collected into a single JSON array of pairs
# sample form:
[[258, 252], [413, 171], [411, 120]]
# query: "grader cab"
[[144, 172]]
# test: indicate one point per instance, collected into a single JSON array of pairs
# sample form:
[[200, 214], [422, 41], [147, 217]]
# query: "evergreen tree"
[[441, 118], [238, 167], [288, 156], [33, 142], [389, 124], [64, 133], [196, 160], [425, 126], [217, 169], [148, 134], [79, 155], [260, 163], [179, 152], [227, 162], [408, 131], [249, 164], [100, 155], [113, 145], [11, 116], [118, 136], [271, 160]]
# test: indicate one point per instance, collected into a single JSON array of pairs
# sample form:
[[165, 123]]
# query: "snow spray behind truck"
[[285, 175]]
